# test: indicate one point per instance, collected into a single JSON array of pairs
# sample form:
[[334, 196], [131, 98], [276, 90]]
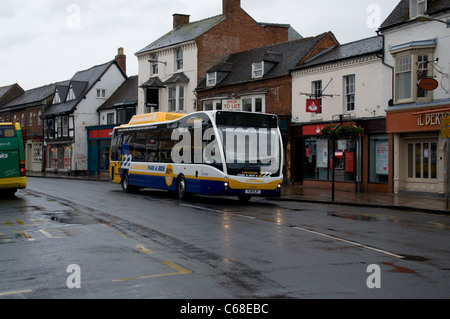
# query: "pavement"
[[417, 202]]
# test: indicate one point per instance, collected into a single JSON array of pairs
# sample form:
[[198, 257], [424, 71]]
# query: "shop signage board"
[[232, 105], [313, 105]]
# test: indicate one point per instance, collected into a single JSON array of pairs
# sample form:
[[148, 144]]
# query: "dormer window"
[[56, 98], [417, 8], [71, 95], [258, 70], [211, 79]]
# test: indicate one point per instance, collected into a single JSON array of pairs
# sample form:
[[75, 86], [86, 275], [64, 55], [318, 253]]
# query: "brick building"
[[170, 67], [259, 80], [26, 109]]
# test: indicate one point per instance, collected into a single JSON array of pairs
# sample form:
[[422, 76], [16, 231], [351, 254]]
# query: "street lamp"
[[423, 18]]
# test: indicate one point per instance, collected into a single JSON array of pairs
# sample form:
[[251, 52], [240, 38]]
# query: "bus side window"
[[152, 146], [116, 146], [166, 146], [140, 146]]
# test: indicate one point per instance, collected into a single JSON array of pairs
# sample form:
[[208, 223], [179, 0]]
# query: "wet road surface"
[[150, 245]]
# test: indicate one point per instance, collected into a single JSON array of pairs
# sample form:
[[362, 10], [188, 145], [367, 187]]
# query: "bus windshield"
[[251, 143]]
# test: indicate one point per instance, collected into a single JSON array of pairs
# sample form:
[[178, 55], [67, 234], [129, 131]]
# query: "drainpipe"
[[383, 55]]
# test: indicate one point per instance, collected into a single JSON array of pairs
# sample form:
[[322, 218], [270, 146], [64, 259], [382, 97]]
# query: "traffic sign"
[[445, 123]]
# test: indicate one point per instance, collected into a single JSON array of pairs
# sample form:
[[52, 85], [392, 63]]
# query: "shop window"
[[212, 105], [254, 104], [319, 159], [379, 159], [422, 160], [152, 103]]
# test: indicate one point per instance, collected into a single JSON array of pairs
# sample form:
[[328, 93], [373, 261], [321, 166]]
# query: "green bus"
[[12, 159]]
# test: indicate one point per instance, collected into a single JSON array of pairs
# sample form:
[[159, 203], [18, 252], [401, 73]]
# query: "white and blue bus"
[[209, 153]]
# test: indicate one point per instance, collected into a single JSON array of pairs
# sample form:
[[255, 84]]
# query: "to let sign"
[[231, 105], [445, 122]]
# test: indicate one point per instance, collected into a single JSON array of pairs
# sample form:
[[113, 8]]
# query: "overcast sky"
[[46, 41]]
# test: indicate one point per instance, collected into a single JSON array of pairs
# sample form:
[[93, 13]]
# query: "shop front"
[[419, 149], [99, 145], [59, 158], [362, 164]]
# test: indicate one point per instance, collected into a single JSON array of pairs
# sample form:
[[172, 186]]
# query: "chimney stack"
[[180, 19], [230, 6], [121, 59]]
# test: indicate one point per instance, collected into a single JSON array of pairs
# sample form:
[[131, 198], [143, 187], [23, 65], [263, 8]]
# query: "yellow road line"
[[47, 234], [25, 234], [180, 271], [14, 292], [18, 221], [144, 250], [121, 234]]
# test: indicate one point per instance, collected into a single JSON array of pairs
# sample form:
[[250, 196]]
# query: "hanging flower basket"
[[343, 131]]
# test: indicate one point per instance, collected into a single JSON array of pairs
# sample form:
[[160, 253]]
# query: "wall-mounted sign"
[[428, 84], [313, 105], [445, 126]]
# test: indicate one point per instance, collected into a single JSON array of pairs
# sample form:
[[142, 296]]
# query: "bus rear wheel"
[[181, 188]]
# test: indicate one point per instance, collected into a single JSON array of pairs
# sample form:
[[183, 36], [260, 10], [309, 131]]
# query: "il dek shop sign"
[[430, 118], [415, 121]]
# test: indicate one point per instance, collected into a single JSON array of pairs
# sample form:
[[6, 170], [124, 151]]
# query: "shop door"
[[93, 158], [61, 158]]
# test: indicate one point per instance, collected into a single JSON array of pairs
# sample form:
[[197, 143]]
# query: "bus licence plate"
[[253, 191]]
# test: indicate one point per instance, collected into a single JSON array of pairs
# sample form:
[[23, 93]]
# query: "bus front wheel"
[[244, 197], [181, 188], [126, 184]]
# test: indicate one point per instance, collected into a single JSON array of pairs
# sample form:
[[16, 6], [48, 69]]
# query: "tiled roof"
[[400, 14], [33, 97], [184, 33], [351, 50], [283, 57], [127, 93], [82, 83], [10, 92], [190, 31]]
